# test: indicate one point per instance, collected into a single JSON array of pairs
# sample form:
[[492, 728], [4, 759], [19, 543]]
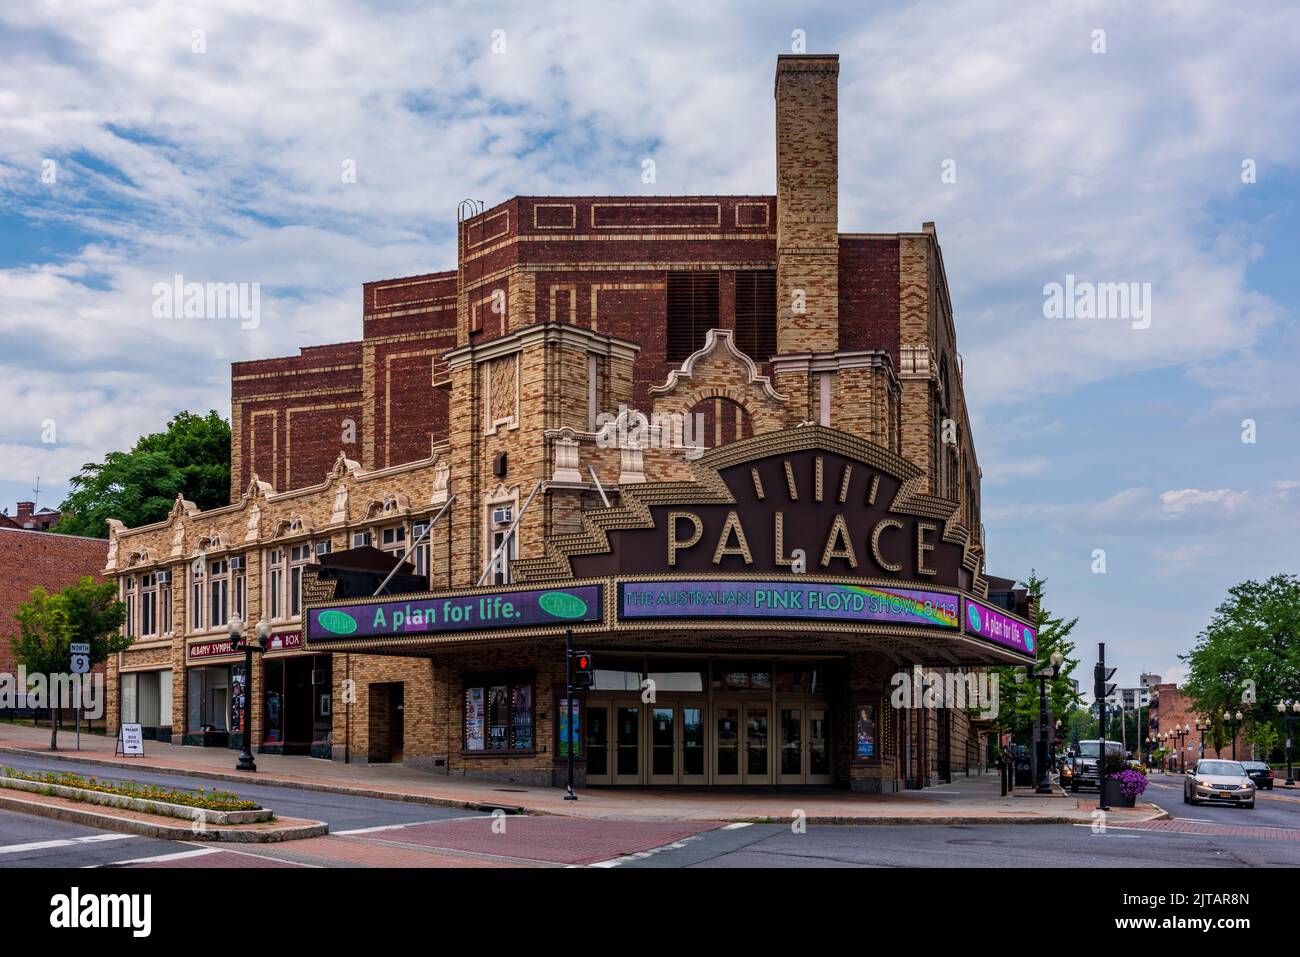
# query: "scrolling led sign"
[[787, 600]]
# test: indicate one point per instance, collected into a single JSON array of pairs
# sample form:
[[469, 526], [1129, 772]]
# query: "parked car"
[[1219, 782], [1260, 773], [1084, 770]]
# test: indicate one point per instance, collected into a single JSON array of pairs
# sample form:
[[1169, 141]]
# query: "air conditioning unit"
[[360, 538], [165, 577], [237, 563], [501, 516]]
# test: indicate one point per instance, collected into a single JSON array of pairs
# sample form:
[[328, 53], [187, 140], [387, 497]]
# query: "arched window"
[[717, 421]]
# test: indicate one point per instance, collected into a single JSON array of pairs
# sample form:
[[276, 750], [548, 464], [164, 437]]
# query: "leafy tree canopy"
[[191, 458], [1248, 657]]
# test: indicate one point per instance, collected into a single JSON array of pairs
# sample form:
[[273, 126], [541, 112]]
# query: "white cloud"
[[1177, 501]]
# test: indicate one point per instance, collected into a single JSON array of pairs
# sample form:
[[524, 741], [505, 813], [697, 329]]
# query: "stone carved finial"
[[178, 540], [254, 530], [339, 513], [566, 458], [441, 482]]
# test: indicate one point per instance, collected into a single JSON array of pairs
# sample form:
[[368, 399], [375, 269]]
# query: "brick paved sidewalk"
[[975, 799]]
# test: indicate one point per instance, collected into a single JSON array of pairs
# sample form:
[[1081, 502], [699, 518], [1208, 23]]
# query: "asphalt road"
[[402, 834]]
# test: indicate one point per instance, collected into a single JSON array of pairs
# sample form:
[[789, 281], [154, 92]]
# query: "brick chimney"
[[807, 203], [25, 510]]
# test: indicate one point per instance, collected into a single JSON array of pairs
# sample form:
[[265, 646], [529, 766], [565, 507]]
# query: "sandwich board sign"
[[130, 740]]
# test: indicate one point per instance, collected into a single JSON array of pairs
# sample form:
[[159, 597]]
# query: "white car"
[[1219, 782]]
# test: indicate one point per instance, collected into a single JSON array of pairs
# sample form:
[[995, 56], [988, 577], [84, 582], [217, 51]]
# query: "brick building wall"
[[475, 384], [29, 559]]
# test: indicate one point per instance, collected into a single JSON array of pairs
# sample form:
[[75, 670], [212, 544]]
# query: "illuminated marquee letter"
[[741, 547], [875, 543], [674, 544], [834, 549], [922, 547]]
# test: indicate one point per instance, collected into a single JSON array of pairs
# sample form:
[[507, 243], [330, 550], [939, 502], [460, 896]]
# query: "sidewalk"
[[968, 800]]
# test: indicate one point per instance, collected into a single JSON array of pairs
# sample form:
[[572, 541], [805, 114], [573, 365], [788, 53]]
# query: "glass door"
[[663, 743], [598, 741], [726, 743], [757, 766], [693, 752], [791, 762], [627, 743]]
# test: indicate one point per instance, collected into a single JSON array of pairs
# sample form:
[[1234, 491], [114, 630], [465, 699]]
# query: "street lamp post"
[[1289, 719], [1183, 733], [1202, 725], [1233, 723], [1044, 776], [246, 762]]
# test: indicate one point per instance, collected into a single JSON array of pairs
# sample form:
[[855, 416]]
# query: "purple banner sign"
[[1000, 628], [449, 614], [786, 601]]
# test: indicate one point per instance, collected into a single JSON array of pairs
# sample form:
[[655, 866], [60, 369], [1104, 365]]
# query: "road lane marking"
[[737, 826], [394, 827], [178, 856], [642, 855], [63, 842]]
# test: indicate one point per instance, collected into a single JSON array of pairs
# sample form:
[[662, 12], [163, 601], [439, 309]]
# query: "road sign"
[[80, 647], [80, 664]]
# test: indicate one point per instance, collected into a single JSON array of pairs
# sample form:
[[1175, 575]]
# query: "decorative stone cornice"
[[722, 341]]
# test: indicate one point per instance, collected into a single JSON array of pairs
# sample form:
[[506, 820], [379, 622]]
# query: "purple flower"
[[1131, 783]]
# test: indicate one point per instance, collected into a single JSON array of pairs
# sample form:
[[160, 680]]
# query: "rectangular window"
[[360, 539], [756, 313], [218, 593], [276, 578], [130, 684], [420, 556], [196, 597], [300, 556], [165, 607], [148, 604], [692, 312], [128, 599], [501, 562], [499, 716]]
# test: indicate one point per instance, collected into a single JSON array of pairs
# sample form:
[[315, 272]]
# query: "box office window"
[[207, 699], [499, 714]]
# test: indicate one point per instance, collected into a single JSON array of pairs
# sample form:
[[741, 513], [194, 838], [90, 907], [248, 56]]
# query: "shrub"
[[207, 800]]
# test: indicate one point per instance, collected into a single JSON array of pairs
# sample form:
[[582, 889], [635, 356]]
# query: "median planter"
[[144, 805], [1115, 795]]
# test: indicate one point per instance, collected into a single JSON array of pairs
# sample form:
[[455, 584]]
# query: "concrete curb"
[[257, 778], [164, 832], [956, 820]]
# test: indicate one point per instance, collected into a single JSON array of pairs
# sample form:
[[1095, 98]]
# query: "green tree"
[[1019, 707], [1248, 658], [191, 458], [48, 624]]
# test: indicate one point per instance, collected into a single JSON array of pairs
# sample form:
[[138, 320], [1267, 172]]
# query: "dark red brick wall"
[[28, 559], [868, 288], [291, 413]]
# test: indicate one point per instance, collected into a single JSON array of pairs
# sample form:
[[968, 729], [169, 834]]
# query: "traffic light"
[[1102, 686], [582, 674]]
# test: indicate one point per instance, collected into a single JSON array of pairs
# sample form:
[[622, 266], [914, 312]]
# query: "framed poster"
[[562, 748], [498, 720], [521, 718], [474, 715], [864, 732]]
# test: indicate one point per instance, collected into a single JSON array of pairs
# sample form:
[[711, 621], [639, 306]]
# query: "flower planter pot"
[[1115, 797]]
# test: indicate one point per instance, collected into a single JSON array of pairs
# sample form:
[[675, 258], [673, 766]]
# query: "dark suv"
[[1084, 772]]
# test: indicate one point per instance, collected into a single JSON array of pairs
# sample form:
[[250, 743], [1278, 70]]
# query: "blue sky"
[[223, 164]]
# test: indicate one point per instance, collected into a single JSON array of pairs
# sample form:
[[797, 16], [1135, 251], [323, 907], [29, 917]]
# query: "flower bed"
[[210, 807]]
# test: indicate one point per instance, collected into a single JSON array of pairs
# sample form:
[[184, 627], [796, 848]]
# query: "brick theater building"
[[722, 442]]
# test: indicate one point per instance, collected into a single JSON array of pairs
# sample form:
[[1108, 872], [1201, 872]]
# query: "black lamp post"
[[1202, 725], [1233, 722], [1044, 776], [246, 762], [1289, 719], [1183, 733]]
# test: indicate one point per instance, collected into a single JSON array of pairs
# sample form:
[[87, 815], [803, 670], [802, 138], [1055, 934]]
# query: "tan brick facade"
[[488, 384]]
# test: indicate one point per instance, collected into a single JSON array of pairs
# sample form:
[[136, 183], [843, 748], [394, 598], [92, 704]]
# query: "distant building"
[[1171, 711], [30, 518], [32, 558]]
